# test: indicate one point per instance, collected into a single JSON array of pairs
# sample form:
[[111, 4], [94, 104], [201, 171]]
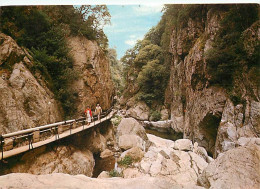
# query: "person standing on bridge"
[[88, 114], [98, 111]]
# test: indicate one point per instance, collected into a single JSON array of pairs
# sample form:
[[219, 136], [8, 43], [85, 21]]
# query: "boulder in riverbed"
[[183, 144], [129, 141], [237, 168]]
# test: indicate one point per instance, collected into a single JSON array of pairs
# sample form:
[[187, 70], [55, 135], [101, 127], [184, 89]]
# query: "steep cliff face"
[[205, 112], [94, 84], [25, 101]]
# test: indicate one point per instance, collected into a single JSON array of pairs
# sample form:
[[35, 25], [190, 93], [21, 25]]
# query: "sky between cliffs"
[[130, 23]]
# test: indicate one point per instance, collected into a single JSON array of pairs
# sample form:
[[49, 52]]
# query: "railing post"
[[30, 141], [2, 147]]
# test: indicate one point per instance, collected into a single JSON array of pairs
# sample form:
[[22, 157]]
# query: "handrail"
[[29, 133], [9, 135]]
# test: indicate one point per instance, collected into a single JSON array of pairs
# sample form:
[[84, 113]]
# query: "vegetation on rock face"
[[147, 65], [228, 58], [116, 71], [126, 161], [155, 115], [43, 31], [116, 120], [114, 173]]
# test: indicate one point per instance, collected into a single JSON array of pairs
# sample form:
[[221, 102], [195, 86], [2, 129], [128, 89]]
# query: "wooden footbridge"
[[25, 140]]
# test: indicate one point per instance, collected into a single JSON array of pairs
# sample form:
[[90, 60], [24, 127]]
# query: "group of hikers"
[[88, 113]]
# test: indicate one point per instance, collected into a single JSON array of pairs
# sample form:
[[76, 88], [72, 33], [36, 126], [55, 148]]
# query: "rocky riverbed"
[[147, 161]]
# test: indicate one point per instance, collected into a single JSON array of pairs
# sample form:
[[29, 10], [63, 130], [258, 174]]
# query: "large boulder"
[[183, 144], [59, 180], [202, 152], [136, 153], [103, 174], [244, 141], [139, 111], [236, 168], [129, 141], [63, 159], [176, 166], [106, 153], [131, 133], [131, 126]]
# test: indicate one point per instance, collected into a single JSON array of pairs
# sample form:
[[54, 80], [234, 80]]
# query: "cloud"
[[132, 36], [146, 9], [132, 40]]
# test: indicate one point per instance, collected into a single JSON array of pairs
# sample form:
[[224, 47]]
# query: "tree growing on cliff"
[[228, 58], [116, 69], [43, 31]]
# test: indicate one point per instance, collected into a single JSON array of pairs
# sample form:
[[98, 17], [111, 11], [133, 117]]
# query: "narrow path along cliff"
[[180, 109]]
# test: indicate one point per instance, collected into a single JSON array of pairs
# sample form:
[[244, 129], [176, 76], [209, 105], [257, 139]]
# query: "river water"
[[167, 134]]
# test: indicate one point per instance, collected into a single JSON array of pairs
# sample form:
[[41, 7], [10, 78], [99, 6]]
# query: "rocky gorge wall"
[[25, 99], [94, 84], [204, 112]]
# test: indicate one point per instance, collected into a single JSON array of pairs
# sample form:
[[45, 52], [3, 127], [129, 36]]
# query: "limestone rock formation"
[[96, 142], [25, 100], [132, 173], [176, 166], [131, 133], [232, 127], [131, 126], [106, 153], [139, 111], [204, 112], [103, 174], [94, 84], [183, 144], [129, 141], [135, 153], [63, 159], [59, 180], [236, 168]]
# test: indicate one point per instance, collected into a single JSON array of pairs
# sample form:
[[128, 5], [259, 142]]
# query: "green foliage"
[[116, 120], [155, 115], [144, 65], [152, 81], [148, 52], [116, 69], [149, 61], [228, 54], [43, 31], [114, 173], [126, 161]]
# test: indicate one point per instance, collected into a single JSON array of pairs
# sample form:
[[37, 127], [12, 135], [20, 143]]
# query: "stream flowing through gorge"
[[169, 134]]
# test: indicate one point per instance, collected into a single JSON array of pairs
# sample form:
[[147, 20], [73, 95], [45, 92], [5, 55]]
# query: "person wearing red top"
[[88, 114]]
